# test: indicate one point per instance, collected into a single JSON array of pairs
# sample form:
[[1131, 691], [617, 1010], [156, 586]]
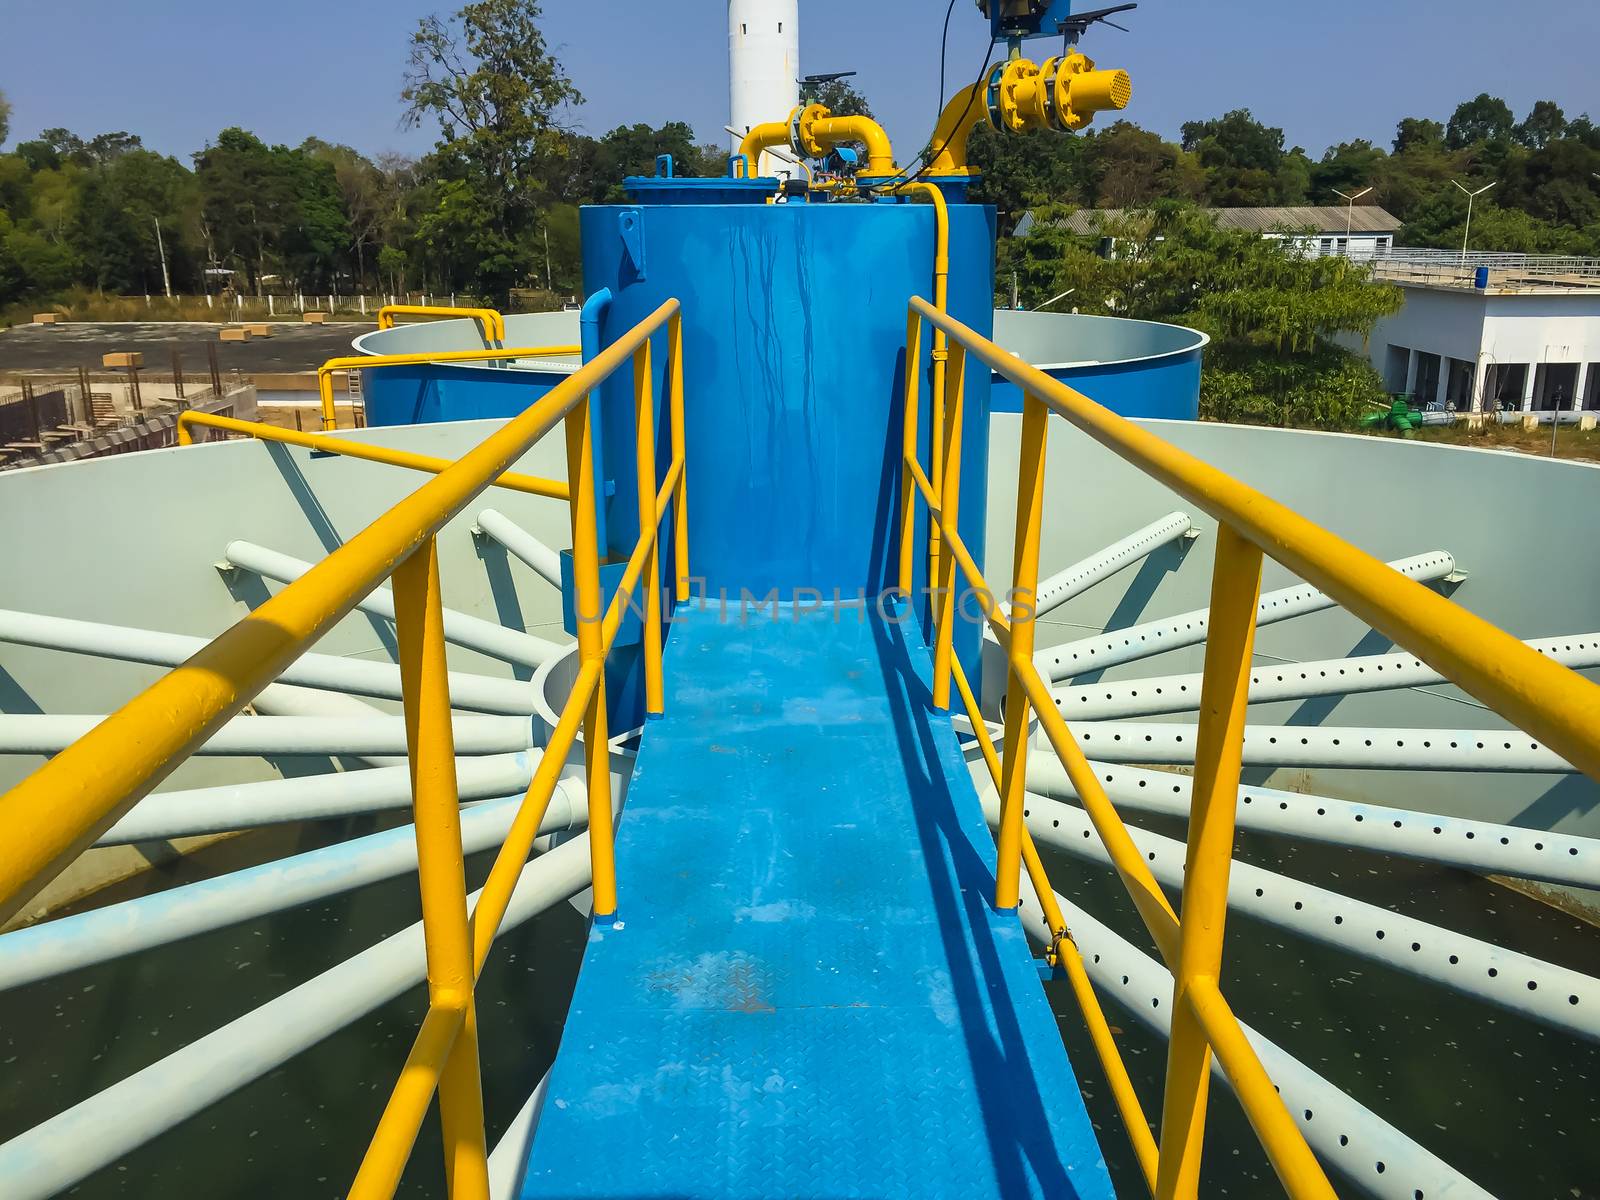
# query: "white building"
[[1491, 331], [1362, 232]]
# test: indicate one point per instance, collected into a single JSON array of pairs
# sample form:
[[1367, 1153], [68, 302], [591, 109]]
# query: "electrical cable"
[[928, 159]]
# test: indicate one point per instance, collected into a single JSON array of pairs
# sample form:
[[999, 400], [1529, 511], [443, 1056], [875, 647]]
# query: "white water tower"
[[764, 65]]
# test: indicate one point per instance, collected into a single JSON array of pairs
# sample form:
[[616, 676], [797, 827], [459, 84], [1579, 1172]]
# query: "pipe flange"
[[1004, 112], [1063, 117], [801, 139]]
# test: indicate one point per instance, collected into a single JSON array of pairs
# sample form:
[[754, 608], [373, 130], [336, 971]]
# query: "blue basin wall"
[[1135, 368], [425, 394]]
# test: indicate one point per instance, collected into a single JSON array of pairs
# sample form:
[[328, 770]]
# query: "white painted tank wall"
[[1504, 517], [132, 539]]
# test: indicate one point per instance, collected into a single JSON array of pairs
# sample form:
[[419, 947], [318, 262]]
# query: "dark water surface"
[[1513, 1105]]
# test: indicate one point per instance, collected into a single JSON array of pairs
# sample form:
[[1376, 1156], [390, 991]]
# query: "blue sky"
[[177, 71]]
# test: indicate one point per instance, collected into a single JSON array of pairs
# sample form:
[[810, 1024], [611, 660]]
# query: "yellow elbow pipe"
[[768, 136], [825, 132], [956, 123]]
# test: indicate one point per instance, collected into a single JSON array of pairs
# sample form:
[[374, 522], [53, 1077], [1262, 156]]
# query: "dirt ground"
[[1571, 443], [64, 348]]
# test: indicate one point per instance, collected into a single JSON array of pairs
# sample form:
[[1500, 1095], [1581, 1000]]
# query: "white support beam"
[[486, 637], [1520, 983], [1082, 575], [52, 948], [1385, 749], [1270, 683], [1189, 629], [1344, 1134], [253, 736], [95, 1133], [545, 562], [1480, 846], [231, 807], [477, 693]]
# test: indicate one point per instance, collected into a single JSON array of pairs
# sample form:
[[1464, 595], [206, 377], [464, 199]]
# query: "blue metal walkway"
[[808, 993]]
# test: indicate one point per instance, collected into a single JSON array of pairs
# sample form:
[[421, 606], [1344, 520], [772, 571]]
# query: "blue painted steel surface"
[[794, 328], [808, 993], [431, 393], [1166, 386]]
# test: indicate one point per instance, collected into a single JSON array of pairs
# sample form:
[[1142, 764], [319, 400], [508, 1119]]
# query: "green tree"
[[1130, 167], [1244, 161], [5, 118], [1272, 315], [1485, 118], [486, 77], [1347, 167], [838, 97], [1541, 126], [1418, 133]]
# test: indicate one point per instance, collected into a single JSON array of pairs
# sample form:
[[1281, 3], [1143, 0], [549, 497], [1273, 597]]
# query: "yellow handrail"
[[57, 811], [367, 362], [82, 791], [490, 323], [533, 485], [1550, 701]]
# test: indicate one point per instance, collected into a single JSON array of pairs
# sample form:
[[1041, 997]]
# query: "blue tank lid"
[[666, 188]]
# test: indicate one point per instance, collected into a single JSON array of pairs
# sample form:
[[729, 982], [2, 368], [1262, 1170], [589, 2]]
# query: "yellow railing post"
[[908, 452], [948, 487], [644, 426], [1219, 743], [1024, 582], [680, 497], [419, 629], [936, 430], [589, 612]]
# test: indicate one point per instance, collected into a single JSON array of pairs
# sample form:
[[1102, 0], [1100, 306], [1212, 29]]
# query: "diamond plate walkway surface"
[[808, 993]]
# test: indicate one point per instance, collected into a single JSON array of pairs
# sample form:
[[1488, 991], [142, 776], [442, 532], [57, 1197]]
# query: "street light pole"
[[166, 281], [1471, 196], [1350, 213]]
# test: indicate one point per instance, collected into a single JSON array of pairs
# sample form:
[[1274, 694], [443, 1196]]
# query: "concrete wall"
[[1485, 332]]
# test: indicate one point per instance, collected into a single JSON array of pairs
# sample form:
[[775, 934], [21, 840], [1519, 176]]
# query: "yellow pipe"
[[949, 489], [490, 323], [963, 556], [768, 136], [908, 454], [1552, 703], [825, 132], [1064, 953], [1297, 1168], [385, 1160], [644, 424], [591, 649], [531, 484], [367, 362], [956, 123], [1024, 582], [941, 279], [680, 501], [441, 879], [1219, 746], [48, 818]]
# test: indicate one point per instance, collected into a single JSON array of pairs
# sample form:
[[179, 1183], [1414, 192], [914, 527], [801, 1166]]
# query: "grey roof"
[[1318, 218]]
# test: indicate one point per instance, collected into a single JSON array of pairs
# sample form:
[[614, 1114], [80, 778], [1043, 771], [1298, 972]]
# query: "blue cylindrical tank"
[[794, 322]]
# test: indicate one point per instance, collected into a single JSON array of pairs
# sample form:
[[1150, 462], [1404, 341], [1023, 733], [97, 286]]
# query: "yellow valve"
[[1078, 91], [1019, 96]]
